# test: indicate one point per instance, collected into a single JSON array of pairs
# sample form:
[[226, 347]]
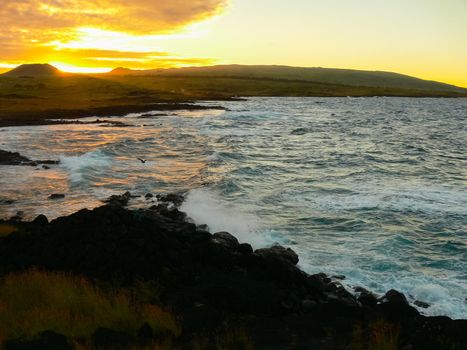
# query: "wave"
[[79, 167], [205, 207]]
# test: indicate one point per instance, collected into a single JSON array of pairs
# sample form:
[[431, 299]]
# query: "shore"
[[220, 291], [71, 116]]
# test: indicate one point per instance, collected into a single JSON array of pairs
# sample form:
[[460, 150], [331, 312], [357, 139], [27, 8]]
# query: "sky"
[[422, 38]]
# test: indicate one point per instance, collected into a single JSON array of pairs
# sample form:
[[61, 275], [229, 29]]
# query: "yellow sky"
[[423, 38]]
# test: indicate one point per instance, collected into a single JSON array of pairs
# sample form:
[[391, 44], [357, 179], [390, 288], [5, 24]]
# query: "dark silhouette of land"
[[34, 70], [217, 293]]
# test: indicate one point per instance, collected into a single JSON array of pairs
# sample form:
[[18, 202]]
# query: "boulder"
[[422, 304], [393, 296], [225, 239], [278, 252], [55, 196], [175, 198], [365, 297], [41, 220], [14, 158], [119, 200]]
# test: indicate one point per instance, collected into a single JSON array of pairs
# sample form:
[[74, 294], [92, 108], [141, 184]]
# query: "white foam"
[[204, 207], [79, 166]]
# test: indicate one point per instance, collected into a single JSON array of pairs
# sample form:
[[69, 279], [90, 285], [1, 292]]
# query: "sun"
[[69, 68]]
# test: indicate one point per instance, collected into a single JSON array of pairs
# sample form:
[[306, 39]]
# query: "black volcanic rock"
[[279, 252], [32, 70], [14, 158], [56, 196], [216, 285]]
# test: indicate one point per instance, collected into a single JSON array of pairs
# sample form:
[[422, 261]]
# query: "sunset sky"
[[423, 38]]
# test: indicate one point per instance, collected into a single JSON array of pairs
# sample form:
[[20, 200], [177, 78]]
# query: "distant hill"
[[347, 77], [33, 70], [122, 71]]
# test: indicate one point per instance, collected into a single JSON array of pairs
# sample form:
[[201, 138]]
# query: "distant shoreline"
[[46, 117], [49, 117]]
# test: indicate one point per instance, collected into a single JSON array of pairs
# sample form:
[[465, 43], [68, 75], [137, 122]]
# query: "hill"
[[33, 70], [34, 93], [347, 77], [121, 71]]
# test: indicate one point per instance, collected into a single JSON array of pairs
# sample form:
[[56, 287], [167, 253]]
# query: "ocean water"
[[371, 188]]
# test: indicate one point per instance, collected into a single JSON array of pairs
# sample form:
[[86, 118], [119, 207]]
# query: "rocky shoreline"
[[46, 117], [14, 158], [214, 284]]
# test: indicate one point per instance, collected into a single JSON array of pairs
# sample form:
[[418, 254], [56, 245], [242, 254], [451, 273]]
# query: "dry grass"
[[380, 335], [384, 335], [34, 301], [6, 229]]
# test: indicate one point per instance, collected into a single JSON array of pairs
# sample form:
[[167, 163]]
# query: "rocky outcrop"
[[14, 158], [215, 284]]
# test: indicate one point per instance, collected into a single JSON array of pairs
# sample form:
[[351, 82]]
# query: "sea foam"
[[205, 207], [80, 166]]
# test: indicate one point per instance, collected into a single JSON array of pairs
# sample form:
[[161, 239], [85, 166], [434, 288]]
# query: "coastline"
[[46, 117], [216, 285]]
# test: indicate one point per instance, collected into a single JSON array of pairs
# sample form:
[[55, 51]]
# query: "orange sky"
[[424, 38]]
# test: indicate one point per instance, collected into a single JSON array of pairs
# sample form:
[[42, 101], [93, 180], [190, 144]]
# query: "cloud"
[[34, 30], [130, 16]]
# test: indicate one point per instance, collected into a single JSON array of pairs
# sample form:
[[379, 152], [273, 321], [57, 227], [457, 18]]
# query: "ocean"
[[371, 188]]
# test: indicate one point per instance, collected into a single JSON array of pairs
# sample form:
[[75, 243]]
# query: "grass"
[[34, 97], [34, 301], [6, 229], [380, 335]]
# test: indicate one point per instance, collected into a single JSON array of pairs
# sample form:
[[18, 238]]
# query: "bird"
[[141, 160]]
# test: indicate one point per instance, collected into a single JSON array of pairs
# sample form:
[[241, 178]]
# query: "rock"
[[175, 198], [279, 252], [119, 200], [203, 227], [299, 131], [7, 201], [317, 283], [45, 167], [41, 220], [48, 162], [47, 340], [338, 277], [56, 196], [216, 288], [245, 248], [105, 337], [422, 304], [225, 239], [393, 296], [148, 195], [14, 158], [365, 297]]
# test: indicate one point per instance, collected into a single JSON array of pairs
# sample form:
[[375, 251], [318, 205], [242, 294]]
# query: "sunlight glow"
[[95, 38], [65, 67]]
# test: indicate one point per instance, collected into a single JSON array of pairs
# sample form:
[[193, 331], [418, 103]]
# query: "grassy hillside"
[[39, 97], [319, 75], [33, 70]]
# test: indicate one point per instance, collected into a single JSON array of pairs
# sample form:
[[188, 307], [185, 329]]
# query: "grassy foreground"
[[35, 301]]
